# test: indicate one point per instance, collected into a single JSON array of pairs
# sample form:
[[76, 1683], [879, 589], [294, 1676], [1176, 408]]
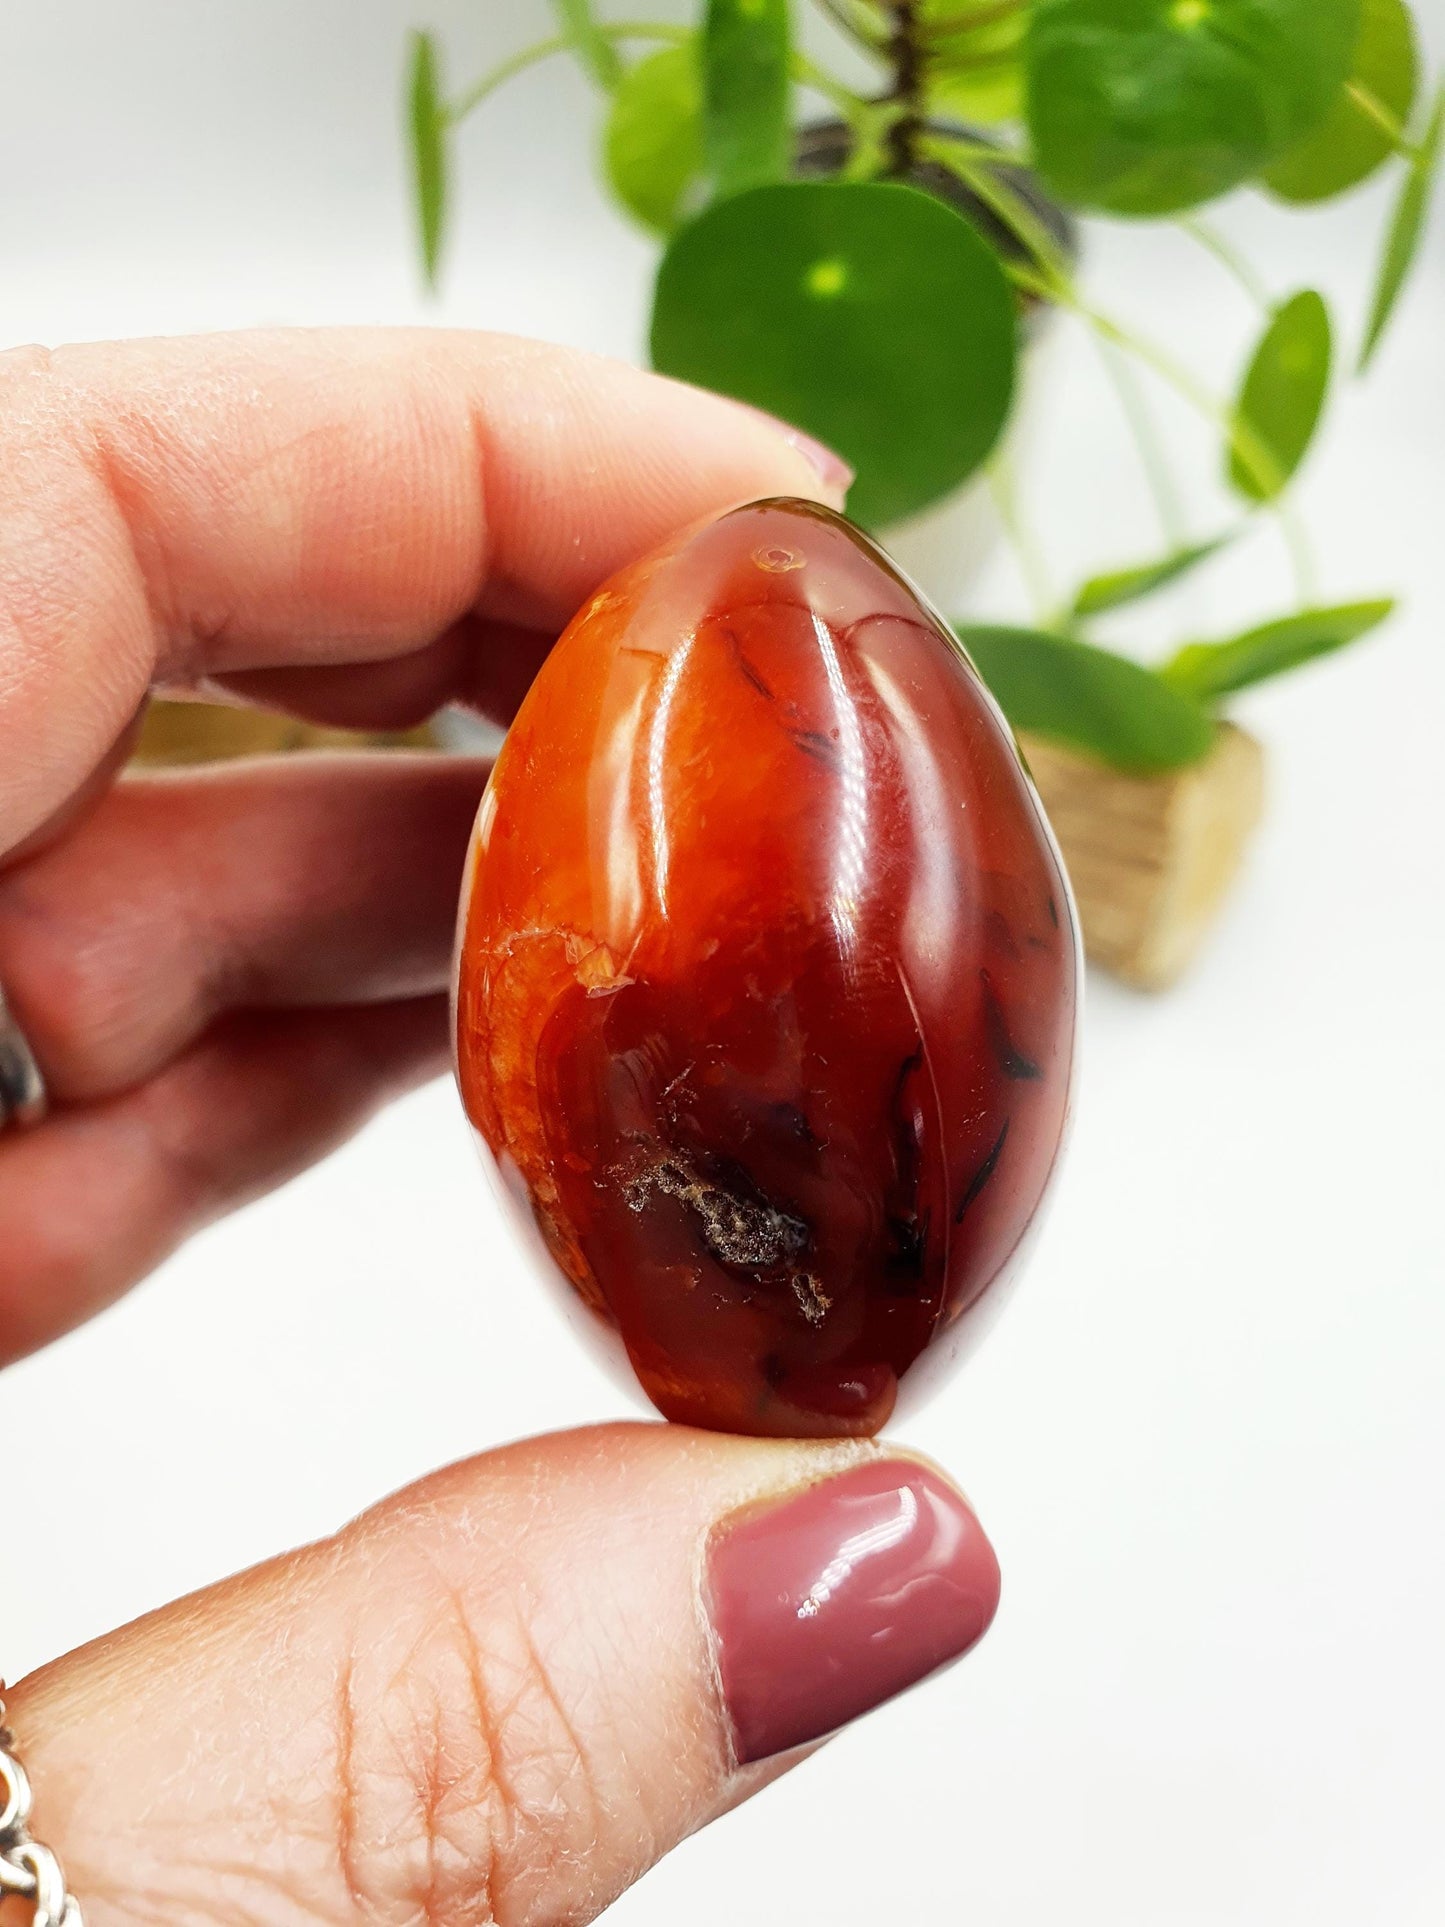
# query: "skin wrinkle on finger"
[[490, 1698], [59, 716], [80, 802], [559, 1801], [264, 449], [487, 1761], [185, 509]]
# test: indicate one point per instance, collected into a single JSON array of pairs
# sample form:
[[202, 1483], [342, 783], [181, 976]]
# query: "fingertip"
[[557, 1660], [785, 459], [832, 477], [832, 1600]]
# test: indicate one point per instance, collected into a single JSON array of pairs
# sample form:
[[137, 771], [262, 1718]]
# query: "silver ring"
[[22, 1088]]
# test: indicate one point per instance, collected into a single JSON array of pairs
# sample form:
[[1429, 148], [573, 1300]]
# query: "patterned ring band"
[[26, 1868], [22, 1088]]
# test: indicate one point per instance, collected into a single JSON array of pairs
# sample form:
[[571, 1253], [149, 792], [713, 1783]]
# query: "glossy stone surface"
[[767, 977]]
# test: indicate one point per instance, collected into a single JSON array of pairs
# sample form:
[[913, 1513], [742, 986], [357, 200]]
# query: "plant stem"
[[809, 74], [1252, 452], [855, 24], [868, 156], [1301, 555], [974, 163], [1146, 439], [557, 43], [1256, 457], [1229, 257], [906, 58], [1374, 109], [1055, 283], [986, 153], [1033, 567]]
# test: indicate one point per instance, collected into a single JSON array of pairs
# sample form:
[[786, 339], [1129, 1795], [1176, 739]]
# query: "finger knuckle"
[[65, 973], [464, 1786], [73, 922]]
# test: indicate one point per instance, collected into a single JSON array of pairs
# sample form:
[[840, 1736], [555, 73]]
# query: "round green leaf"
[[1089, 698], [1348, 144], [1281, 399], [1149, 106], [868, 313], [652, 145]]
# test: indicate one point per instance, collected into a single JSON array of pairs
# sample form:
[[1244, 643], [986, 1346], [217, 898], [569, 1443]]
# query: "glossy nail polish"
[[825, 1604]]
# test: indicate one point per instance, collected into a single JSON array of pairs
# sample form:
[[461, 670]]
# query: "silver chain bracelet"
[[27, 1868]]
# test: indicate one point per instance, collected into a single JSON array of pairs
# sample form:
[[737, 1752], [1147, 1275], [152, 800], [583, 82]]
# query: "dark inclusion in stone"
[[767, 981]]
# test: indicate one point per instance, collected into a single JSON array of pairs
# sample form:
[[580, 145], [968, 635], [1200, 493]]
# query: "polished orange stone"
[[767, 979]]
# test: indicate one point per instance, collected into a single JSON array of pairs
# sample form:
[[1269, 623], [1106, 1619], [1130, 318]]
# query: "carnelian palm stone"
[[767, 980]]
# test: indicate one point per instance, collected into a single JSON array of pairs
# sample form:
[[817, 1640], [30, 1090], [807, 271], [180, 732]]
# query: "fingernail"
[[826, 1604], [831, 467]]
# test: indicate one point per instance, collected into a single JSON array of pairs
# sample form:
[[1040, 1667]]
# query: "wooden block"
[[1151, 858], [178, 733]]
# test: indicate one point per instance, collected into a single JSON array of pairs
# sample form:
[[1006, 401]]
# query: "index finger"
[[171, 510]]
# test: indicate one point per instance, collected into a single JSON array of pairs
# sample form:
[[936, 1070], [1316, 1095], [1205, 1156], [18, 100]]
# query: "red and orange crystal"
[[767, 978]]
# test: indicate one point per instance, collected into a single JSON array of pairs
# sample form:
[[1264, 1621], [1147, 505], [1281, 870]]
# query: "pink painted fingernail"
[[826, 1604], [831, 467]]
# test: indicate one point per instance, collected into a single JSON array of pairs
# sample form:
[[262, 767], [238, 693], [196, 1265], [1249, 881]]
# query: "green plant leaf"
[[427, 121], [594, 49], [652, 145], [977, 73], [1089, 698], [1119, 586], [1209, 670], [1149, 106], [982, 99], [1405, 229], [1281, 398], [746, 86], [1348, 144], [868, 313]]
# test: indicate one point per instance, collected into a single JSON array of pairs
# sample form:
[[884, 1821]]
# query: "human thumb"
[[503, 1694]]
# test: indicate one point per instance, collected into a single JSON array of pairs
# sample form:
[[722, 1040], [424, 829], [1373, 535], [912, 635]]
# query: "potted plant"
[[864, 261]]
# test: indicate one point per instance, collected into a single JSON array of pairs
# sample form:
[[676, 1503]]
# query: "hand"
[[501, 1695]]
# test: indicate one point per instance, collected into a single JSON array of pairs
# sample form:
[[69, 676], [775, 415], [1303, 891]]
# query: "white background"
[[1209, 1436]]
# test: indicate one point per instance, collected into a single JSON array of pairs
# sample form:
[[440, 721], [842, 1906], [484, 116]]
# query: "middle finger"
[[311, 881]]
